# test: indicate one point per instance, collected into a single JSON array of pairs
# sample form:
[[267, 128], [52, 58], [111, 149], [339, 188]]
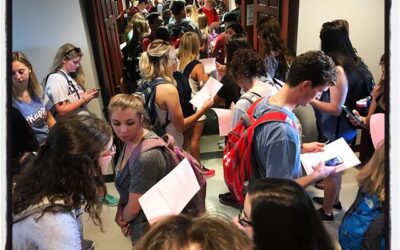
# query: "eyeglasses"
[[242, 218], [110, 152], [77, 50]]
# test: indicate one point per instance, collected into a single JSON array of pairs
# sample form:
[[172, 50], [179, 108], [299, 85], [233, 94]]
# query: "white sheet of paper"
[[209, 64], [209, 90], [333, 149], [171, 194], [224, 120]]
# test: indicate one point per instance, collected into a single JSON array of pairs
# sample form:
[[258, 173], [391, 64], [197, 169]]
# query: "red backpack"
[[196, 205], [238, 152]]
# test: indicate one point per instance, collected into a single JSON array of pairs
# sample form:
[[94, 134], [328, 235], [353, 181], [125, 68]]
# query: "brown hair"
[[179, 232]]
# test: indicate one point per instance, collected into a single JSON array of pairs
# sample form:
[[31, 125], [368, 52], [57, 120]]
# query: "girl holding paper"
[[134, 177], [193, 69], [160, 61]]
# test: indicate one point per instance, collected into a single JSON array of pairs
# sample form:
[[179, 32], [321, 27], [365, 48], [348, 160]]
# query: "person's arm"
[[312, 147], [50, 119], [338, 94], [320, 172], [199, 75], [170, 100], [132, 208], [65, 108]]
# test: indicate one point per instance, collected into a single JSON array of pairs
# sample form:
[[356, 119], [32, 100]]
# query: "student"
[[64, 84], [28, 97], [211, 13], [183, 232], [248, 69], [278, 214], [155, 21], [357, 228], [48, 193], [331, 121], [134, 178], [277, 145], [159, 61], [141, 7], [191, 67], [277, 56], [219, 48]]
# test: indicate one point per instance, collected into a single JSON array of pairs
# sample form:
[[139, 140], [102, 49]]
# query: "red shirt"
[[212, 15], [219, 48]]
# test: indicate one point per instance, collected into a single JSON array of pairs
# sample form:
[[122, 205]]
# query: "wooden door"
[[103, 27]]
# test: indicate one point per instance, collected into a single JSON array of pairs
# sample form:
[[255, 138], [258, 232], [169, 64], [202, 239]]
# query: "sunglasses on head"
[[77, 50]]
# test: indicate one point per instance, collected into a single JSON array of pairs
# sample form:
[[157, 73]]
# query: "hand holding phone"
[[354, 117]]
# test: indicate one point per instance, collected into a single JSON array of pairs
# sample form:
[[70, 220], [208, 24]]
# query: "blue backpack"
[[362, 226]]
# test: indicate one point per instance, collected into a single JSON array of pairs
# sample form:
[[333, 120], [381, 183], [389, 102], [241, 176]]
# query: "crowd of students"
[[73, 148]]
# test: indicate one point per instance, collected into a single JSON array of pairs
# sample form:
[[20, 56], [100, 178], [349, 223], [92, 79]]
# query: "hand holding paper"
[[209, 90], [338, 148]]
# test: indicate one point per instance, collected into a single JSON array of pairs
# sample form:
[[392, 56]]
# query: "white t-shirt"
[[58, 89]]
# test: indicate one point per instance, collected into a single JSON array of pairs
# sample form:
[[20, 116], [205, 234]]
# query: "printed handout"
[[171, 194], [209, 65], [224, 120], [209, 90], [338, 148]]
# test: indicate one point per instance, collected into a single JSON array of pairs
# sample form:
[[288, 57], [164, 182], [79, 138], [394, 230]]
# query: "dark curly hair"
[[314, 66], [269, 30], [66, 168], [246, 63]]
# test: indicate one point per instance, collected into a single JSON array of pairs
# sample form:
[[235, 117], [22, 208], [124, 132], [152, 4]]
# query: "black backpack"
[[185, 93], [177, 29]]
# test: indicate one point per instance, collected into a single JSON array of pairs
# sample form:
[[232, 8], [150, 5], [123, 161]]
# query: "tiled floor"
[[112, 238]]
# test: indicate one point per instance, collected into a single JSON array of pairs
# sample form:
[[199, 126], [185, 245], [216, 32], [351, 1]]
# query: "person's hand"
[[221, 69], [214, 25], [90, 95], [118, 218], [208, 104], [126, 230], [312, 147], [321, 171], [354, 121]]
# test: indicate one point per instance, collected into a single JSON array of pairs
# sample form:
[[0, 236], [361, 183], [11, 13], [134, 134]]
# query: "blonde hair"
[[371, 177], [202, 20], [125, 101], [68, 51], [179, 232], [189, 47], [34, 88], [155, 62], [191, 11], [139, 26]]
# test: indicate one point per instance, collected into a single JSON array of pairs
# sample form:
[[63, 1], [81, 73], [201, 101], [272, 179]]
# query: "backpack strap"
[[144, 146], [248, 98], [188, 69], [157, 81]]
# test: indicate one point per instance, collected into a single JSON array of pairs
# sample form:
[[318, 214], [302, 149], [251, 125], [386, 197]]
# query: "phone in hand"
[[354, 116], [333, 162]]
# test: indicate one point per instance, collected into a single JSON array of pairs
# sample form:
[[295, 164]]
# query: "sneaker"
[[227, 199], [208, 172], [221, 144], [88, 245], [109, 200], [323, 216], [320, 201]]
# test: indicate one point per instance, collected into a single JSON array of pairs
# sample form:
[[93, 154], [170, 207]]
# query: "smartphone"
[[333, 162], [354, 116]]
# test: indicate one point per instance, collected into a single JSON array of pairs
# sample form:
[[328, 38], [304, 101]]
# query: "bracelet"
[[84, 99]]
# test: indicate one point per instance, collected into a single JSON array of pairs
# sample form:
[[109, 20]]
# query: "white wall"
[[40, 27], [366, 21]]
